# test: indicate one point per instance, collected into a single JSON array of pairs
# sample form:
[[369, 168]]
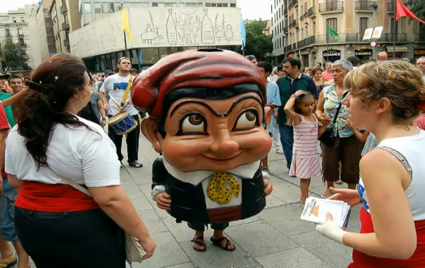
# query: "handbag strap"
[[124, 98], [339, 107], [70, 182]]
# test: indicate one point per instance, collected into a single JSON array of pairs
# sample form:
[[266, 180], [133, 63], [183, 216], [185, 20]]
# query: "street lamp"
[[374, 7]]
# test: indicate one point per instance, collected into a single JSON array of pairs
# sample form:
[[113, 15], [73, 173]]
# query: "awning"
[[397, 48]]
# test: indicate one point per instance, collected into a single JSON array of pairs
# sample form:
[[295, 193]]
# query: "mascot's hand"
[[163, 201], [268, 187]]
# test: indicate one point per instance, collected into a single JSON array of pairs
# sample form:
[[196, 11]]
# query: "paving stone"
[[332, 253], [285, 191], [181, 231], [245, 221], [141, 203], [167, 253], [259, 238], [286, 219], [273, 201], [183, 265], [292, 258], [216, 257], [152, 221]]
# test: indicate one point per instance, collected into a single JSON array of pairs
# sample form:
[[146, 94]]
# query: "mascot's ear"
[[150, 131]]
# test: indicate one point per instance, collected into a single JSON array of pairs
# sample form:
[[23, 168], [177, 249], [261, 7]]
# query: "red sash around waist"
[[222, 215], [361, 260], [53, 198]]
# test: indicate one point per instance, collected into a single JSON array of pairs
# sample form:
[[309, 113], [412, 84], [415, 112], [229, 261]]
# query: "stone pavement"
[[274, 238]]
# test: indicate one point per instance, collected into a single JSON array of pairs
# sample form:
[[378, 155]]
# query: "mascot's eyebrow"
[[211, 109]]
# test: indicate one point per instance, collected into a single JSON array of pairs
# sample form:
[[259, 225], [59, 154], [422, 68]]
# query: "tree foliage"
[[257, 43], [14, 56]]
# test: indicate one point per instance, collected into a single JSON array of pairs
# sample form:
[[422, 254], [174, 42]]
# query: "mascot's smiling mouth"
[[223, 160]]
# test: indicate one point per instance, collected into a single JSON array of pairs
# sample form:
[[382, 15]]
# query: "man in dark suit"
[[207, 119]]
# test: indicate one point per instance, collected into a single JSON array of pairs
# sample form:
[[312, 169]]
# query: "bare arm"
[[395, 234], [116, 204], [102, 96], [296, 118], [12, 99], [100, 107], [15, 182], [3, 136], [320, 108], [361, 136]]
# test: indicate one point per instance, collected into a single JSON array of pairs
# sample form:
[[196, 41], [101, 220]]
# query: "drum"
[[122, 123]]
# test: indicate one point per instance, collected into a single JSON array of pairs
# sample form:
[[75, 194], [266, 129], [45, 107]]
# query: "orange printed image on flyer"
[[315, 211]]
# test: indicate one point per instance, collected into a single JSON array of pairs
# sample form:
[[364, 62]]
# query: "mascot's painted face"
[[206, 110], [217, 135]]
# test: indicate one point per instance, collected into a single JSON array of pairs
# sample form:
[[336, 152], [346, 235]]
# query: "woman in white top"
[[384, 99], [58, 225]]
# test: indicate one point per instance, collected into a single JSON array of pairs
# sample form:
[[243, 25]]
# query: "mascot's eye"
[[247, 120], [193, 124]]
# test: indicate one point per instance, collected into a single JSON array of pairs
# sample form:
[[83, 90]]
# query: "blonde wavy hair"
[[398, 81]]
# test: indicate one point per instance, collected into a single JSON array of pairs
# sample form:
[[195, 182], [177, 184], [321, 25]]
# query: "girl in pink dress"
[[305, 161]]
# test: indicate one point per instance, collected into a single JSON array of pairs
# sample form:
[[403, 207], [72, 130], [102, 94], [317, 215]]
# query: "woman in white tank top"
[[384, 99]]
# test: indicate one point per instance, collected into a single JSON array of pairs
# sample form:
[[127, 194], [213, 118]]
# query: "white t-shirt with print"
[[74, 152], [116, 85]]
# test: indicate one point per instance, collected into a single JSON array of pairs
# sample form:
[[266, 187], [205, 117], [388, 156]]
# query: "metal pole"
[[327, 44], [395, 27], [374, 7], [125, 36]]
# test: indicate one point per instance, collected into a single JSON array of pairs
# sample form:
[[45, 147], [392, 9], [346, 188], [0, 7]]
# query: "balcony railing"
[[304, 16], [312, 11], [365, 5], [66, 42], [65, 26], [285, 30], [293, 3], [293, 24], [389, 37], [390, 7], [63, 9], [332, 6]]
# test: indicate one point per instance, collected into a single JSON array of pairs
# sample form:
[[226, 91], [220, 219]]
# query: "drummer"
[[116, 85]]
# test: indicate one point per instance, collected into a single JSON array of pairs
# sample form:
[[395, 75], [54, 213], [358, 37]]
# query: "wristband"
[[332, 231]]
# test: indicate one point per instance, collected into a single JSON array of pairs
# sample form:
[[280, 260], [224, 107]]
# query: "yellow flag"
[[126, 25]]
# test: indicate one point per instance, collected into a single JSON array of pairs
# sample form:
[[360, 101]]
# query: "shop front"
[[364, 55], [399, 51], [419, 53], [331, 55]]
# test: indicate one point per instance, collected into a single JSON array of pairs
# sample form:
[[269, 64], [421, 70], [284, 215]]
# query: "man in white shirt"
[[116, 86]]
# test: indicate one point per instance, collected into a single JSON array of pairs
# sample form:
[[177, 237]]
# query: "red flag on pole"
[[403, 11]]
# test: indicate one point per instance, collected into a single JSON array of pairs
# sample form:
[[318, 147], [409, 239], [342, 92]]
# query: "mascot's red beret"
[[191, 68]]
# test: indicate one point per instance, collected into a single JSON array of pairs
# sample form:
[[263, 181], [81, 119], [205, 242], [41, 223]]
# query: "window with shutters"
[[363, 25], [333, 22]]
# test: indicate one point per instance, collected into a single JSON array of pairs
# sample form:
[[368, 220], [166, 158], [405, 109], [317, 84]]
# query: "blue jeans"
[[200, 227], [7, 205], [287, 139]]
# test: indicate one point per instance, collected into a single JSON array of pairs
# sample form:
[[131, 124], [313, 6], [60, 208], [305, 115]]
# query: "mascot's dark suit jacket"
[[188, 201]]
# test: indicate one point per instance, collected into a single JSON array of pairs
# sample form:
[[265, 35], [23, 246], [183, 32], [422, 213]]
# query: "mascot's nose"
[[223, 145]]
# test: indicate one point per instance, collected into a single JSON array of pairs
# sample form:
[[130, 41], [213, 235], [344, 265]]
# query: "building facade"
[[278, 21], [159, 28], [17, 26], [306, 31], [44, 28], [66, 18]]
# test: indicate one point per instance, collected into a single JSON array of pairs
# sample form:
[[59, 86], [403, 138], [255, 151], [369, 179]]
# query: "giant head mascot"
[[207, 120]]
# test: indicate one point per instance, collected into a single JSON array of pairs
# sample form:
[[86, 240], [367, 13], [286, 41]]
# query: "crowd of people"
[[367, 119]]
